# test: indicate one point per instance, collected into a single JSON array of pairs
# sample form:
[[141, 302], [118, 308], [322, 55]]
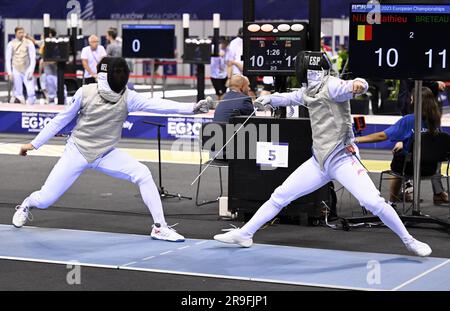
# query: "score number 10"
[[392, 57], [259, 60]]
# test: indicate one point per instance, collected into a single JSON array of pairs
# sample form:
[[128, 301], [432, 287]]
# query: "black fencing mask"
[[311, 61], [117, 71]]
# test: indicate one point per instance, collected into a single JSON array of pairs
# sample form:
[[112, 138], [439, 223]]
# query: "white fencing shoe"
[[21, 216], [166, 233], [234, 236], [418, 248]]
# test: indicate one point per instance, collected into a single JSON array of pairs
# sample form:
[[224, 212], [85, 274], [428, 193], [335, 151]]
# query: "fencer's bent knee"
[[374, 203], [143, 174], [279, 199]]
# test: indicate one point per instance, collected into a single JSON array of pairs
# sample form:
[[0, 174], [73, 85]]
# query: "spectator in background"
[[118, 38], [405, 93], [50, 71], [90, 57], [20, 61], [235, 63], [402, 132], [234, 58], [235, 102], [114, 48], [219, 70]]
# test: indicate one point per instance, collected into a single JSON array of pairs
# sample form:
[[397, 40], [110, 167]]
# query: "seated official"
[[402, 132], [235, 102]]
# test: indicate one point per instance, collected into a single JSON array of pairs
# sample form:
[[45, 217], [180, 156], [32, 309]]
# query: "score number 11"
[[430, 57], [392, 57]]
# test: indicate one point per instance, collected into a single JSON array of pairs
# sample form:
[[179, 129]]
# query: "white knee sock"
[[264, 214], [32, 202], [151, 198], [26, 203]]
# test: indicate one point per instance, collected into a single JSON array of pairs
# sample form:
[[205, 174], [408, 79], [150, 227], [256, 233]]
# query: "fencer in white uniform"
[[101, 109], [335, 156], [20, 61]]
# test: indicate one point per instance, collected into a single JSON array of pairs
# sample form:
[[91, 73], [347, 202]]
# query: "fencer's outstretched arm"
[[59, 121], [138, 102], [287, 99], [343, 90], [340, 91]]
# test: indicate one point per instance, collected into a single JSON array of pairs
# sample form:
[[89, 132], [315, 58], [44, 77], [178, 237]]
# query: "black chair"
[[212, 131], [434, 150]]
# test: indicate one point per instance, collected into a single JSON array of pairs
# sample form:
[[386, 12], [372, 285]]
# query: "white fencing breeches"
[[51, 82], [20, 78], [51, 85], [340, 166], [116, 163]]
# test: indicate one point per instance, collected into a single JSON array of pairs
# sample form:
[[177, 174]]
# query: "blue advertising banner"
[[28, 122], [174, 127], [133, 127]]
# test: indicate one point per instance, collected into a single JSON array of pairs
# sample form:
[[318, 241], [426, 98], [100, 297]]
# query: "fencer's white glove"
[[203, 105], [359, 86], [263, 103]]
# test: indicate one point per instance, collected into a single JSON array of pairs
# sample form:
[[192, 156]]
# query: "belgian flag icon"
[[364, 33]]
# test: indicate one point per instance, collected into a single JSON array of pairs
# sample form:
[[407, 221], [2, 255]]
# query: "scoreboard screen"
[[57, 49], [270, 48], [406, 41], [148, 41], [197, 51]]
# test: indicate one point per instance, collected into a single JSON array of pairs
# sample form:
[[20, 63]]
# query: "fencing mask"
[[311, 67], [115, 71]]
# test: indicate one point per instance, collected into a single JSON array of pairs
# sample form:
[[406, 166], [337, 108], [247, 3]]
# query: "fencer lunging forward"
[[334, 152], [101, 109]]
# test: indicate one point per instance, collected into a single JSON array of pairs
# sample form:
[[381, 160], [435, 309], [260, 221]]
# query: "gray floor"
[[100, 203]]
